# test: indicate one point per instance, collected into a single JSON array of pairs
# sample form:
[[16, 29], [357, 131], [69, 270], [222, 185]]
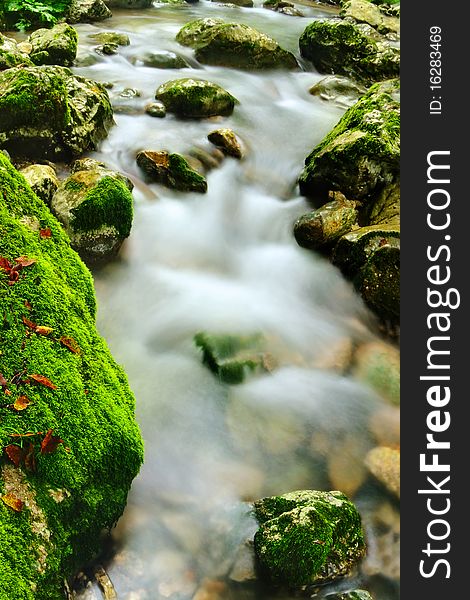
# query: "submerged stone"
[[68, 495], [171, 170], [227, 141], [307, 537], [234, 45], [162, 60], [95, 207], [43, 180], [47, 112], [56, 46], [232, 357], [195, 98]]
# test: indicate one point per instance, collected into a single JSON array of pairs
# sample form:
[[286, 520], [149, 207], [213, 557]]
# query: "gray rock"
[[12, 54], [43, 181], [363, 11], [129, 3], [110, 37], [162, 60], [156, 109], [56, 46], [87, 11], [340, 90]]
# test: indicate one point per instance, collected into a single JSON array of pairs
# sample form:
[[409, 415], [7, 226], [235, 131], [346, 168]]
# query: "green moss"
[[195, 98], [73, 185], [183, 177], [56, 46], [91, 409], [108, 203], [190, 33]]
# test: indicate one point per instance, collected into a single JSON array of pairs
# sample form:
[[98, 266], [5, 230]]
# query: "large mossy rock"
[[55, 497], [47, 112], [362, 153], [87, 11], [234, 45], [195, 98], [11, 55], [363, 11], [307, 537], [344, 48], [56, 46], [96, 208]]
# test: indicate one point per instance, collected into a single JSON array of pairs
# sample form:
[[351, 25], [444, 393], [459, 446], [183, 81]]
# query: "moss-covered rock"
[[162, 60], [234, 45], [171, 170], [227, 141], [326, 224], [195, 98], [11, 55], [43, 180], [341, 90], [362, 153], [363, 11], [110, 37], [385, 209], [87, 11], [66, 494], [49, 112], [56, 46], [307, 537], [344, 48], [232, 357], [95, 207]]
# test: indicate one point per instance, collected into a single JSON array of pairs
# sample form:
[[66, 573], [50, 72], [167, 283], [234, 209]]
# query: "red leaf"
[[5, 264], [45, 233], [30, 458], [43, 381], [24, 261], [13, 502], [29, 324], [14, 453], [21, 403], [28, 305], [3, 381], [70, 344], [50, 443]]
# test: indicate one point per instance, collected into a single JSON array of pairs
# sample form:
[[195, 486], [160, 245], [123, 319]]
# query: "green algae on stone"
[[11, 55], [110, 37], [171, 170], [307, 537], [232, 357], [343, 48], [195, 98], [82, 487], [234, 45], [56, 46], [48, 112], [362, 152]]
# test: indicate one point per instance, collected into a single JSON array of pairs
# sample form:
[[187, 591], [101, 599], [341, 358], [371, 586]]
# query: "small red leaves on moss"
[[23, 261], [21, 403], [30, 458], [70, 344], [3, 381], [14, 453], [13, 502], [5, 264], [28, 305], [45, 234], [13, 270], [29, 324], [50, 443], [43, 330], [43, 381]]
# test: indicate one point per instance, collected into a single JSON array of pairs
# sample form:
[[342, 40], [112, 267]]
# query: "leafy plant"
[[25, 14]]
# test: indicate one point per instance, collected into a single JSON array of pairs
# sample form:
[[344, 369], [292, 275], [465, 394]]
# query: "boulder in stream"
[[56, 46], [307, 537], [341, 90], [364, 11], [172, 170], [87, 11], [234, 45], [66, 483], [162, 60], [110, 37], [351, 595], [95, 207], [129, 3], [11, 54], [227, 141], [195, 98], [48, 112]]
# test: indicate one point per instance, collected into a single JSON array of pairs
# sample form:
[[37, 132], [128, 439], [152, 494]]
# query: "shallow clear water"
[[226, 261]]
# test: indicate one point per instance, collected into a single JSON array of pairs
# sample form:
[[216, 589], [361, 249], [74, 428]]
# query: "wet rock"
[[363, 11], [162, 60], [234, 45], [171, 170], [60, 290], [352, 595], [344, 48], [208, 161], [243, 569], [307, 537], [12, 54], [326, 224], [227, 141], [242, 3], [386, 208], [88, 164], [383, 556], [107, 49], [195, 98], [87, 11], [156, 109], [378, 365], [384, 425], [57, 115], [232, 357], [285, 8], [211, 589], [95, 207], [384, 464], [362, 153], [346, 469], [129, 3], [42, 179], [130, 93], [56, 46], [340, 90], [110, 37]]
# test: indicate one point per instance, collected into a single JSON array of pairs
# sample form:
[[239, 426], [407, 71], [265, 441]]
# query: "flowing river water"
[[227, 262]]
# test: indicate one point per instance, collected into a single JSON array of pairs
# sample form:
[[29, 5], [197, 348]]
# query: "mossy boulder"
[[363, 11], [56, 46], [87, 11], [234, 45], [340, 47], [341, 90], [171, 170], [362, 153], [195, 98], [95, 207], [70, 491], [47, 112], [232, 357], [227, 141], [326, 224], [307, 537], [162, 60], [11, 55], [110, 37], [43, 180]]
